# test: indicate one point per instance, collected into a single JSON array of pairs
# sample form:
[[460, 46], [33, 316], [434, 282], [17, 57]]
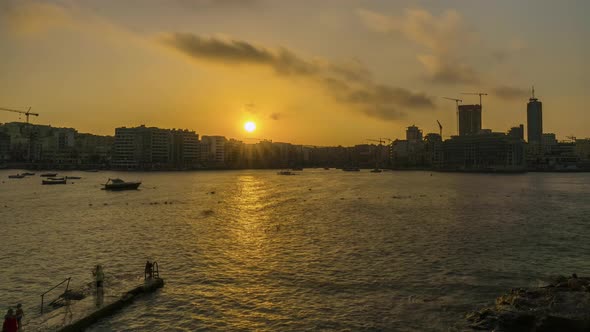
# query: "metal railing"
[[54, 287], [156, 271]]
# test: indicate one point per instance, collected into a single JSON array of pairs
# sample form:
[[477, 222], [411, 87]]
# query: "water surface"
[[251, 250]]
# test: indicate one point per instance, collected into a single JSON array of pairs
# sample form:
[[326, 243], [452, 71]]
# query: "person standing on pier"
[[10, 322], [148, 273], [99, 275], [19, 315]]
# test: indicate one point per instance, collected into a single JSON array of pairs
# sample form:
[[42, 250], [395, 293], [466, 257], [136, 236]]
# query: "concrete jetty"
[[80, 315]]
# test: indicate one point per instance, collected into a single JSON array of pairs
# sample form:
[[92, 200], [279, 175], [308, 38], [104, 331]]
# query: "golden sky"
[[307, 72]]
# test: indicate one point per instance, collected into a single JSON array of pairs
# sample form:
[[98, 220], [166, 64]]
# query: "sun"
[[250, 126]]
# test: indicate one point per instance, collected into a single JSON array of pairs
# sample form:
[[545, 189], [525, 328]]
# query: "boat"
[[286, 173], [327, 168], [17, 176], [73, 177], [54, 181], [118, 184], [376, 170], [49, 175], [58, 179], [351, 169], [28, 174]]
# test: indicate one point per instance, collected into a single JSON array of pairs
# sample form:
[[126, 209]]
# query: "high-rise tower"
[[469, 118], [534, 115]]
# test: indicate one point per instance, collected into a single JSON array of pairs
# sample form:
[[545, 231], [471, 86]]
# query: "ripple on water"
[[249, 250]]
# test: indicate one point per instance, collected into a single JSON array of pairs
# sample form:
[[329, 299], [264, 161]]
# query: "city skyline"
[[96, 66]]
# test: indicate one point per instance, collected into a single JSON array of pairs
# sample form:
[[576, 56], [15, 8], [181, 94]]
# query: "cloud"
[[350, 82], [448, 72], [510, 93], [441, 36]]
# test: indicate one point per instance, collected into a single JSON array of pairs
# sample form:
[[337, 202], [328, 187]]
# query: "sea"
[[324, 250]]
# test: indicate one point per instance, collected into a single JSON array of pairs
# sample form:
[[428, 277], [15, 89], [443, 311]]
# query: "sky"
[[333, 72]]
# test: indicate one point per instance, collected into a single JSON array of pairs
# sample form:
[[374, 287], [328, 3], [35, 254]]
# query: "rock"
[[564, 305]]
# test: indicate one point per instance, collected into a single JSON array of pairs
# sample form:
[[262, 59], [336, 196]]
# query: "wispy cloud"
[[440, 35], [350, 83], [443, 71]]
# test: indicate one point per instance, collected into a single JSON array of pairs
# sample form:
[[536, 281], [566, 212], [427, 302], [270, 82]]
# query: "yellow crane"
[[27, 112]]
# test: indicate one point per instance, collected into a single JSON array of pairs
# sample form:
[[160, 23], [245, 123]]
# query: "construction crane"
[[258, 139], [455, 100], [380, 140], [27, 112], [476, 93], [440, 128]]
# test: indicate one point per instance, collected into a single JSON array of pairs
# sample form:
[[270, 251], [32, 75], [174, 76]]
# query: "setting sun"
[[250, 126]]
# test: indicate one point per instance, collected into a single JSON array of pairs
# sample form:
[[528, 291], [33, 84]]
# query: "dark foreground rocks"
[[564, 305]]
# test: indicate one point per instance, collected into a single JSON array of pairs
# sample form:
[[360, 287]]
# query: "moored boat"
[[16, 176], [286, 173], [73, 177], [54, 181], [118, 184], [376, 170], [28, 174], [48, 175]]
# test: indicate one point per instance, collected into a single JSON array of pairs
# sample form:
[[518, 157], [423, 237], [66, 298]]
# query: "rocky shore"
[[563, 305]]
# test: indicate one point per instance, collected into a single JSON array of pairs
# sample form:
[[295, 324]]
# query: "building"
[[413, 133], [213, 150], [433, 150], [4, 147], [142, 148], [534, 114], [186, 149], [517, 132], [469, 119], [94, 151], [408, 154], [485, 152], [583, 149], [548, 142]]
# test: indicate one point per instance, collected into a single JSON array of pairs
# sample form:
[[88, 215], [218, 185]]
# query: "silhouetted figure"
[[574, 283], [149, 270], [99, 275], [19, 315], [10, 323]]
